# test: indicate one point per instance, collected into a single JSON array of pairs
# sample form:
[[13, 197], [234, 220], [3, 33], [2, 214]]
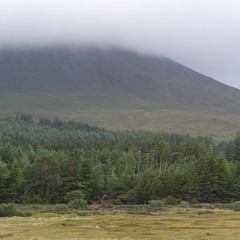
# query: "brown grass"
[[170, 225]]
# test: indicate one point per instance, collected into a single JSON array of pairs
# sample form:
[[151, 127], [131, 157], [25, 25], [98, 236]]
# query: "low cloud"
[[201, 34]]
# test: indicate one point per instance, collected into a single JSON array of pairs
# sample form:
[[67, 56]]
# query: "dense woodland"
[[44, 161]]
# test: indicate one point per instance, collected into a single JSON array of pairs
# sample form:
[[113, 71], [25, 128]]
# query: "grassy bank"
[[173, 223]]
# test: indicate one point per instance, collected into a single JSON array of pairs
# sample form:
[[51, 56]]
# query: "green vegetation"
[[234, 206], [68, 107], [173, 224], [52, 161], [116, 89], [66, 180], [7, 210], [156, 204]]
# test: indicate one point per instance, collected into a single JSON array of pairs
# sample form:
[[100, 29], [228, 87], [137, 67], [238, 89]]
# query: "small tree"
[[73, 195], [76, 200]]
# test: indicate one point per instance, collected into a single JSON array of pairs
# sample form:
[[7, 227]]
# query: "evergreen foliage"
[[53, 161], [7, 210]]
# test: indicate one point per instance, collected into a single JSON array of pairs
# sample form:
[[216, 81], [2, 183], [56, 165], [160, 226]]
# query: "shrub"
[[73, 195], [234, 206], [170, 200], [60, 208], [78, 204], [156, 204], [7, 210], [25, 214], [184, 204], [75, 200]]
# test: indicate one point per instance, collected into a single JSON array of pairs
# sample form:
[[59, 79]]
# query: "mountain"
[[116, 88]]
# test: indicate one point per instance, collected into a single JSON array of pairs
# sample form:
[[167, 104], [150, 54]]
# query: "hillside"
[[117, 89]]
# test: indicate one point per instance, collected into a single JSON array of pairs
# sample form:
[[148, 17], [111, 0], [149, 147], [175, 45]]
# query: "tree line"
[[44, 161]]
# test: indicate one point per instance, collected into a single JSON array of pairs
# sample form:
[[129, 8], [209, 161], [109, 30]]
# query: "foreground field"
[[190, 225]]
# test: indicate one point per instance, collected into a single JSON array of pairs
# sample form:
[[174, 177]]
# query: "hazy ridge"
[[115, 88]]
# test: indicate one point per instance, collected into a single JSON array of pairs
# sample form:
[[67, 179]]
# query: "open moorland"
[[174, 223]]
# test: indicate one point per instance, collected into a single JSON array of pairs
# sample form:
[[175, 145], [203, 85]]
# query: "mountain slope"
[[115, 88]]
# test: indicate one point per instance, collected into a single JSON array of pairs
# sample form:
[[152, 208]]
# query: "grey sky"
[[201, 34]]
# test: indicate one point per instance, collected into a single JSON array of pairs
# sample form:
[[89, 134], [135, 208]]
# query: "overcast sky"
[[201, 34]]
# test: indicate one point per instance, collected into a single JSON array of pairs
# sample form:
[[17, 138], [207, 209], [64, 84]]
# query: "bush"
[[59, 208], [170, 200], [156, 204], [7, 210], [184, 204], [234, 206], [75, 200], [25, 214], [73, 195], [78, 204]]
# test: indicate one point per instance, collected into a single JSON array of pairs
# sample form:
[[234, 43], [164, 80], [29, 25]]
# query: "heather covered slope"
[[117, 89]]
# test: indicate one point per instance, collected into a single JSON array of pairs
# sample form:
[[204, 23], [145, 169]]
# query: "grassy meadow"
[[172, 223]]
